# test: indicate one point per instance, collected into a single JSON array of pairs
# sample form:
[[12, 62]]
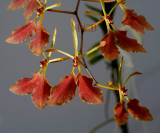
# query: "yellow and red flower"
[[133, 107], [108, 44], [22, 33], [32, 5], [38, 86], [65, 90], [136, 22]]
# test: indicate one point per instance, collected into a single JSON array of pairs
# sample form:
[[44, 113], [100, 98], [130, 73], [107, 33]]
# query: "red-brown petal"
[[64, 91], [128, 44], [87, 92], [30, 9], [16, 4], [22, 33], [137, 22], [120, 114], [25, 86], [108, 48], [137, 111], [39, 42], [41, 92]]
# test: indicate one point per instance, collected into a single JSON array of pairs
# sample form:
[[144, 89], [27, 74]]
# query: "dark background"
[[19, 115]]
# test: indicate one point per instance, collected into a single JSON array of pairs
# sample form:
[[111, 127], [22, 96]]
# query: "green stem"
[[113, 8]]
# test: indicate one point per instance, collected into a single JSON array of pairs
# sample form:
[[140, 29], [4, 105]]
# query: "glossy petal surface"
[[87, 92], [39, 42], [128, 44], [108, 48], [30, 9], [137, 22], [22, 33], [64, 91], [137, 111], [120, 114], [41, 92], [25, 86], [16, 4]]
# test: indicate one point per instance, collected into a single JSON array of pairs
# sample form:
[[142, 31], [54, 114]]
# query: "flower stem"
[[113, 8], [58, 59], [60, 11], [100, 21], [90, 51], [107, 87], [62, 52]]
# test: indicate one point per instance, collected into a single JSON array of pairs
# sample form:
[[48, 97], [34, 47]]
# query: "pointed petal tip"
[[127, 44], [22, 33], [31, 8], [40, 41], [138, 112], [39, 106], [136, 22], [41, 92], [24, 86], [120, 114], [17, 4], [87, 92], [63, 92]]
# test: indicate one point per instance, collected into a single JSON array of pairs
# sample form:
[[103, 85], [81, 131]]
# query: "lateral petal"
[[25, 86], [40, 41], [120, 114], [128, 44], [108, 48], [64, 91], [22, 33], [136, 22], [30, 9], [41, 92], [137, 111], [16, 4], [87, 92]]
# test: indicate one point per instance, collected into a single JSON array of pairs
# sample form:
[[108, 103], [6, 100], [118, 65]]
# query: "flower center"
[[75, 61], [124, 91], [43, 63], [40, 10], [110, 19]]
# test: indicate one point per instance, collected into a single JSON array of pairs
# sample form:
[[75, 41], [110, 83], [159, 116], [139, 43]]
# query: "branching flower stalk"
[[45, 94]]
